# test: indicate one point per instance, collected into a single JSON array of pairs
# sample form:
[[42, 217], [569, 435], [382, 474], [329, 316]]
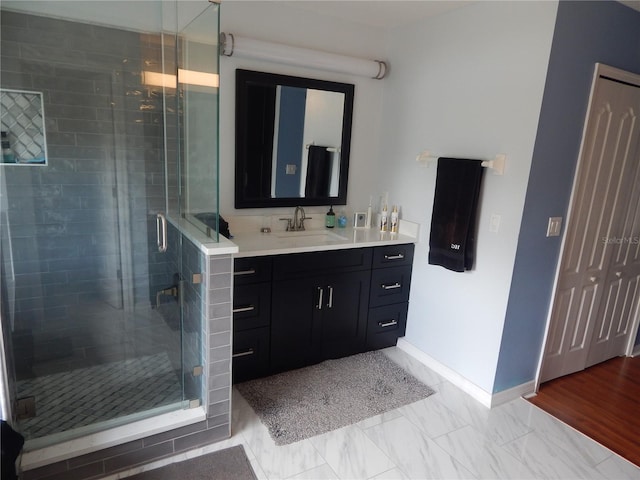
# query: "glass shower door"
[[90, 307]]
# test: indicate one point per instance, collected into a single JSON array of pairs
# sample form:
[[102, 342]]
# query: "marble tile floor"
[[448, 435]]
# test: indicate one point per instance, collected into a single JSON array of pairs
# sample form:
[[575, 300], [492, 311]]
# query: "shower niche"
[[24, 141]]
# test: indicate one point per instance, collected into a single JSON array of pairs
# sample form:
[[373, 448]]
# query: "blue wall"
[[290, 132], [585, 33]]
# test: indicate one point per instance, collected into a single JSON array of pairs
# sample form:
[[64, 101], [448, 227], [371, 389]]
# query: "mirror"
[[292, 140]]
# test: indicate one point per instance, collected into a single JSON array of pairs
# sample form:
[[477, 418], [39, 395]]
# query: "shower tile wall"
[[71, 250], [213, 297]]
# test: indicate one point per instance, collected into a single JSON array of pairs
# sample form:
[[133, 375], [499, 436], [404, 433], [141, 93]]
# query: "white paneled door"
[[596, 298]]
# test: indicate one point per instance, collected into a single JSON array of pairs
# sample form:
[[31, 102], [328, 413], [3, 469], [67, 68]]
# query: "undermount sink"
[[311, 235]]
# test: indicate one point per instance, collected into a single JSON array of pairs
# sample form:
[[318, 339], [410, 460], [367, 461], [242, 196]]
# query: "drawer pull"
[[387, 324], [398, 256], [244, 354], [251, 271], [391, 287], [248, 308]]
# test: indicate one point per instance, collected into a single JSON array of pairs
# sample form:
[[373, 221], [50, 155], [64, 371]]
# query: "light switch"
[[290, 169], [554, 226], [494, 223]]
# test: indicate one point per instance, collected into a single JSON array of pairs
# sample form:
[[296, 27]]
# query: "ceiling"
[[379, 13], [143, 14], [389, 13]]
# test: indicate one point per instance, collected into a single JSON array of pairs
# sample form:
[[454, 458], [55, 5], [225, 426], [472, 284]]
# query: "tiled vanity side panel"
[[218, 336], [213, 297]]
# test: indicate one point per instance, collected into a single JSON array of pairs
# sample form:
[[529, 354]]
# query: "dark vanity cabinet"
[[295, 310], [320, 305], [389, 300], [251, 317]]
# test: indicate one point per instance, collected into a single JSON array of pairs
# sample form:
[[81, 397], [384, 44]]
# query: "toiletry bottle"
[[383, 219], [394, 220], [342, 220], [330, 219], [7, 154], [369, 214]]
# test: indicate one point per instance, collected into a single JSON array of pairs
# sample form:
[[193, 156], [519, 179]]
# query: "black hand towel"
[[453, 222], [318, 182]]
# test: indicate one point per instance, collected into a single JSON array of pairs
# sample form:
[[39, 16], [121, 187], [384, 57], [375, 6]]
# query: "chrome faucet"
[[298, 219]]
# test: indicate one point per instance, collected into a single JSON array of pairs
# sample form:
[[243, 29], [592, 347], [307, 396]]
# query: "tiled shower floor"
[[84, 396]]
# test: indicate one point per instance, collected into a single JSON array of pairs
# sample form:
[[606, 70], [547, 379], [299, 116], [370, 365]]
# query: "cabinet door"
[[250, 354], [393, 255], [390, 285], [386, 324], [344, 314], [295, 323], [251, 306], [248, 270]]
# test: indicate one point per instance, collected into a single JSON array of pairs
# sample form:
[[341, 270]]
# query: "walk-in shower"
[[110, 113]]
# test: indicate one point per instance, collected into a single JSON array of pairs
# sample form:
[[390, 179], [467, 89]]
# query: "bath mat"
[[309, 401], [228, 464]]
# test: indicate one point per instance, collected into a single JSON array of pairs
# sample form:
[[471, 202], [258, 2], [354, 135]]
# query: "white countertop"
[[256, 244], [252, 243], [206, 244]]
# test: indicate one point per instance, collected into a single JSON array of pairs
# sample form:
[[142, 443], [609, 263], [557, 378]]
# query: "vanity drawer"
[[393, 255], [385, 325], [333, 261], [390, 285], [251, 270], [250, 354], [251, 306]]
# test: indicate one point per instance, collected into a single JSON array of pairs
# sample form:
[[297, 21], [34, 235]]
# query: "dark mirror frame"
[[246, 78]]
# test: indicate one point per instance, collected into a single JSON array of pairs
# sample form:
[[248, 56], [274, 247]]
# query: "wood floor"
[[603, 402]]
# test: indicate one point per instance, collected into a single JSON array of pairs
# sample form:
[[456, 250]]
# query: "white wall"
[[277, 22], [468, 83]]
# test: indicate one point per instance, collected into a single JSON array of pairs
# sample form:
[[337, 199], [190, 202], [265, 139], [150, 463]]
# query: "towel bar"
[[497, 164]]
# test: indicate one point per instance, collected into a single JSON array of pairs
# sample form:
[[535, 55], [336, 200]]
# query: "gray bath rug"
[[309, 401], [228, 464]]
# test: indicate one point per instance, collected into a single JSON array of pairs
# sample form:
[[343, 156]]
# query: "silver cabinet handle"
[[398, 256], [391, 287], [388, 324], [251, 271], [248, 308], [321, 294], [330, 304], [244, 354], [161, 231]]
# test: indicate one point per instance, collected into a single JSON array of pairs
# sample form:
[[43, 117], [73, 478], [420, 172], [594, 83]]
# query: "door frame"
[[600, 70]]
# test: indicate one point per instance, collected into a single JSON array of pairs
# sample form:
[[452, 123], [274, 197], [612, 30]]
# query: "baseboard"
[[452, 376], [485, 398], [522, 390]]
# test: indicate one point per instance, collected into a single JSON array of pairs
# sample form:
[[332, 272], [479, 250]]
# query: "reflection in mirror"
[[292, 140]]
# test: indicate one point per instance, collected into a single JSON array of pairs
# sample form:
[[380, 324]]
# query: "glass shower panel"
[[89, 305], [198, 81]]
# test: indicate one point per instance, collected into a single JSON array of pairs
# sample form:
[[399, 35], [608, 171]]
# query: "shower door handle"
[[161, 230]]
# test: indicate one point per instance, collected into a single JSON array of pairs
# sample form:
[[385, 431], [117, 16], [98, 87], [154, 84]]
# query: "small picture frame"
[[359, 219]]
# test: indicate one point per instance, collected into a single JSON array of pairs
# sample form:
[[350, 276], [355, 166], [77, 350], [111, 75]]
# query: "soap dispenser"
[[330, 218]]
